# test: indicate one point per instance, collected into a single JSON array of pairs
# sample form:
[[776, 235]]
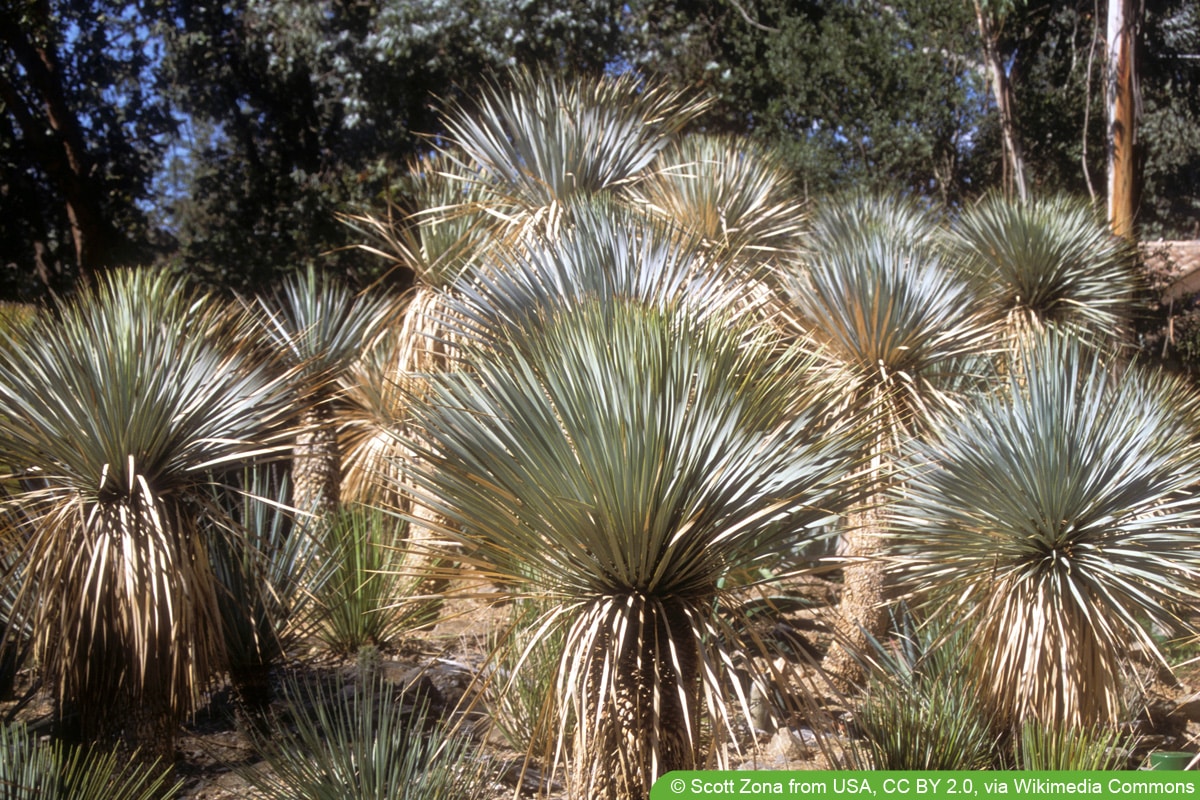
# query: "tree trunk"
[[862, 613], [316, 463], [57, 136], [1121, 101], [1014, 154], [643, 729]]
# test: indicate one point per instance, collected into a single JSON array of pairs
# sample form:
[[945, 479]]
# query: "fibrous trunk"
[[316, 463], [862, 613], [639, 705]]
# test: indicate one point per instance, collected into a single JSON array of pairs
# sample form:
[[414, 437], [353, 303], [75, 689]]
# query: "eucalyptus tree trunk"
[[1014, 154], [1121, 102]]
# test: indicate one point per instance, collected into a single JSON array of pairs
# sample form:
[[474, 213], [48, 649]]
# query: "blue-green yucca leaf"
[[738, 197], [129, 375], [545, 139], [893, 320], [1046, 263], [651, 451], [856, 217], [321, 326], [31, 769], [120, 410], [1058, 515], [372, 741], [444, 228], [604, 252]]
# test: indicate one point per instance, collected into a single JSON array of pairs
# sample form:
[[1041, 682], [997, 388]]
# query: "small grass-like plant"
[[34, 770], [921, 710], [374, 741], [1095, 748], [267, 576], [365, 599], [521, 692]]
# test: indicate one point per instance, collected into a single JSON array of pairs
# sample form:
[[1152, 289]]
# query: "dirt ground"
[[213, 754]]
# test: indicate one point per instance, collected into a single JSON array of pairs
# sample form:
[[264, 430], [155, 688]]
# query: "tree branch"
[[750, 21]]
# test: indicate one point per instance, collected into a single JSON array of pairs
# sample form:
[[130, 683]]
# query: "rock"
[[791, 744]]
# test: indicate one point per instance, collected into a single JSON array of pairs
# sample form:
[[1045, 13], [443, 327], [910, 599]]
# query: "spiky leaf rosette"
[[860, 216], [623, 464], [606, 254], [1054, 519], [319, 328], [1046, 263], [893, 320], [737, 197], [443, 226], [118, 410], [543, 139]]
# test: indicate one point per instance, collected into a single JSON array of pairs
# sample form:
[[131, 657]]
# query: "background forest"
[[221, 137]]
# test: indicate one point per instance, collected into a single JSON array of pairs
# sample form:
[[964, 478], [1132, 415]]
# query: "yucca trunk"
[[317, 463], [639, 710], [862, 612]]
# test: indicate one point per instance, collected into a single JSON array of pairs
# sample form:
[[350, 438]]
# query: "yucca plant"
[[608, 253], [1046, 263], [320, 327], [442, 232], [268, 567], [525, 662], [34, 770], [371, 741], [15, 635], [1096, 748], [541, 139], [895, 327], [626, 464], [738, 197], [921, 709], [1054, 518], [121, 410], [366, 600]]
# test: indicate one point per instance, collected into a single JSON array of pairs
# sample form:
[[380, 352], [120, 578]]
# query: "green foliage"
[[1053, 517], [121, 411], [921, 709], [1170, 83], [35, 770], [1096, 748], [304, 111], [526, 660], [81, 135], [366, 598], [372, 741], [268, 566], [809, 78]]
